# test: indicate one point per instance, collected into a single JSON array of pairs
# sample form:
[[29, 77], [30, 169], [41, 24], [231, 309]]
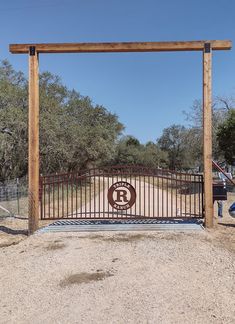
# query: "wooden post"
[[207, 136], [33, 141]]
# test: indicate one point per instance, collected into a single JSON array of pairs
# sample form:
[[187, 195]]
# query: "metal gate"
[[120, 192]]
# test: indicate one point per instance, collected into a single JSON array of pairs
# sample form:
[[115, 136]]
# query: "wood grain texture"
[[33, 144], [207, 139], [121, 47]]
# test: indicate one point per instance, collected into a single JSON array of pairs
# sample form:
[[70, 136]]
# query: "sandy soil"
[[134, 277]]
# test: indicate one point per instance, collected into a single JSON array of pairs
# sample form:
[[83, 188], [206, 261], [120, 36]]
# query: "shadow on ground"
[[11, 231], [227, 225]]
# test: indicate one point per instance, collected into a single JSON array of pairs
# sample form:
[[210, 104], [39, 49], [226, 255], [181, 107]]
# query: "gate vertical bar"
[[149, 195], [190, 198], [171, 182], [33, 146], [144, 195], [58, 197], [167, 193], [81, 192], [99, 193], [49, 198], [185, 195], [199, 195], [103, 190], [176, 195], [158, 196], [67, 195], [85, 185], [153, 194], [53, 195], [71, 193], [76, 194], [207, 135]]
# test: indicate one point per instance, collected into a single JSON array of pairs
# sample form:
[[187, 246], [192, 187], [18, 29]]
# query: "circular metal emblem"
[[121, 195]]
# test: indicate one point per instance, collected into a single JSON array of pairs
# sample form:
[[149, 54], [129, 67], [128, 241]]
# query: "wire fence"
[[14, 198]]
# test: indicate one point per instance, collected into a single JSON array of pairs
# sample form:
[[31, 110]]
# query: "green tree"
[[173, 141], [74, 133], [13, 122], [128, 151], [97, 129], [226, 137], [153, 156]]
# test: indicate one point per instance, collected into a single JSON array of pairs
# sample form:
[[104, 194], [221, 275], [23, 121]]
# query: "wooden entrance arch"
[[33, 50]]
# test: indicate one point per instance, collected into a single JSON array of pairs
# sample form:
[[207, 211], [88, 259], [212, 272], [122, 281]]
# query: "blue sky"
[[148, 91]]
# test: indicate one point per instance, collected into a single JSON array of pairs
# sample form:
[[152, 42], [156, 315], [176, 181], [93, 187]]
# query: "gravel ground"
[[134, 277]]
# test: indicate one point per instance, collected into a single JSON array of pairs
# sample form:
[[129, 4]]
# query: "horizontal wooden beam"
[[120, 47]]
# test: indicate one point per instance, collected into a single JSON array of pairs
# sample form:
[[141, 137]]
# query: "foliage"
[[173, 141], [220, 110], [74, 133], [13, 122], [130, 151], [226, 137], [154, 156]]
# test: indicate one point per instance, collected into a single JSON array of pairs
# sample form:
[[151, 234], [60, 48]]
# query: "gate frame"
[[33, 50], [94, 207]]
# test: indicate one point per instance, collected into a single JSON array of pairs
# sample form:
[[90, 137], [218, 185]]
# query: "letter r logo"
[[121, 196]]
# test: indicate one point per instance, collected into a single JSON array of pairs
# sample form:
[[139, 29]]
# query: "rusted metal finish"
[[120, 192]]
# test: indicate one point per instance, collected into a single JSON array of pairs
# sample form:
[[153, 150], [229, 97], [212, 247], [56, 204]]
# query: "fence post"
[[33, 130], [207, 135]]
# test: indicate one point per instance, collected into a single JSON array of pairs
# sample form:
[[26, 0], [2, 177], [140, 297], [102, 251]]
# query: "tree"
[[13, 122], [97, 130], [74, 133], [13, 87], [220, 109], [153, 156], [173, 141], [226, 137], [130, 151]]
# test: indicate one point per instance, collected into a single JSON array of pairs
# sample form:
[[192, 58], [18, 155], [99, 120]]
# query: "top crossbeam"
[[120, 47]]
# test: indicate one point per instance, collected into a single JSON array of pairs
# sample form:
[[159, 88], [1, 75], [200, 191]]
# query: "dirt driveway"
[[144, 277]]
